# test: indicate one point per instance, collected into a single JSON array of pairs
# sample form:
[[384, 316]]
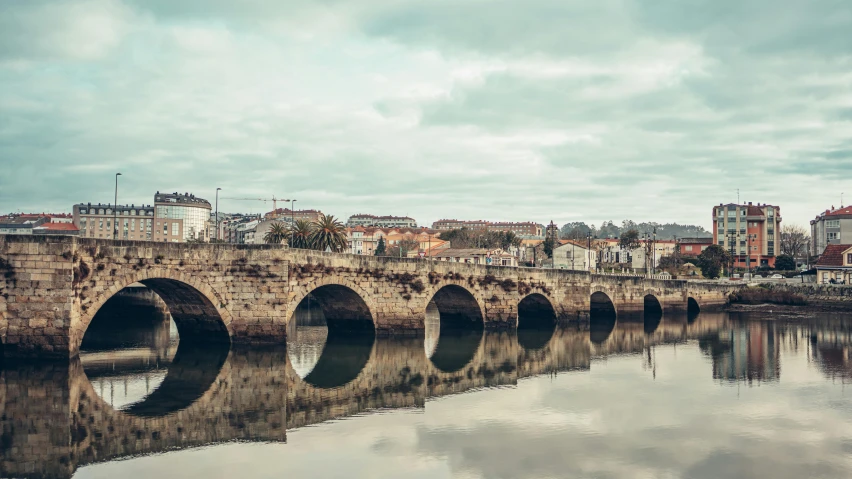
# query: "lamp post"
[[217, 214], [115, 209], [589, 251], [654, 253], [292, 220]]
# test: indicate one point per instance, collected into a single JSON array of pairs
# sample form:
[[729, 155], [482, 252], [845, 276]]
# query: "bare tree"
[[794, 240]]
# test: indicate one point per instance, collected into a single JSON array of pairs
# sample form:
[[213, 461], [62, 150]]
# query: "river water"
[[717, 395]]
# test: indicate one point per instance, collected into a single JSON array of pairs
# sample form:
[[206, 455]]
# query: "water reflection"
[[56, 421]]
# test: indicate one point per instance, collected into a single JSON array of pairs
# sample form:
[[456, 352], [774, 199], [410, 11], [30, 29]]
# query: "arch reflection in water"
[[536, 321], [328, 354], [449, 348], [145, 383], [602, 317], [652, 313]]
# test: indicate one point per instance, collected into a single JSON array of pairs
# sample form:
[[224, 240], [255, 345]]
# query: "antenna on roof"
[[841, 200]]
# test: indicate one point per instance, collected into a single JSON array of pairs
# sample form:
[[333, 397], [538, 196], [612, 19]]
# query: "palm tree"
[[328, 234], [301, 235], [277, 233]]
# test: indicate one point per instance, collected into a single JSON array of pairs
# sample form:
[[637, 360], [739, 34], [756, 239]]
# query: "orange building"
[[751, 233]]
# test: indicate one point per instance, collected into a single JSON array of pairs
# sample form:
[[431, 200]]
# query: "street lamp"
[[654, 253], [115, 209], [217, 214], [589, 251], [292, 220]]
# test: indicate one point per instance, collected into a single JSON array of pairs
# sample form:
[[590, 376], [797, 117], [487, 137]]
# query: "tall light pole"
[[217, 214], [589, 251], [115, 209], [654, 254], [292, 220]]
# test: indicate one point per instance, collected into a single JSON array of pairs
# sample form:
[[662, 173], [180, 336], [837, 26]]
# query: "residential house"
[[492, 257], [693, 246], [835, 264], [574, 255]]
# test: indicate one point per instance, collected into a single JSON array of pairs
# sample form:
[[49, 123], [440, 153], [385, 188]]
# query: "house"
[[574, 255], [832, 226], [835, 264], [694, 246], [492, 257]]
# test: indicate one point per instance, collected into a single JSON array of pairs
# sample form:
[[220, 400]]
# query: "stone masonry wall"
[[52, 287]]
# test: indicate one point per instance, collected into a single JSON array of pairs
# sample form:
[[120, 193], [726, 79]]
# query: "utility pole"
[[292, 220], [654, 253], [115, 209], [217, 214]]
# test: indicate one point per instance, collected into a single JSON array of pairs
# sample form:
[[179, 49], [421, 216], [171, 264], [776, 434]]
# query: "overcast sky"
[[542, 110]]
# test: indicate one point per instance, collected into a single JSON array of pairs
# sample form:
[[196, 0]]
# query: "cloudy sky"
[[497, 109]]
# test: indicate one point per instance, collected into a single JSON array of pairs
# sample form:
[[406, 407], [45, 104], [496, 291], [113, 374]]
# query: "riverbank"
[[813, 296]]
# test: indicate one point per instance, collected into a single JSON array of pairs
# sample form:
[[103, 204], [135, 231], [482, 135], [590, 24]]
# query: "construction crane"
[[274, 200]]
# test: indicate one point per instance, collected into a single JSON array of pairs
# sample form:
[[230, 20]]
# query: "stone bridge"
[[55, 422], [52, 287]]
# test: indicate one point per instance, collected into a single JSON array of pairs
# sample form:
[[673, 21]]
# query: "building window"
[[833, 236], [832, 224], [175, 228], [849, 258]]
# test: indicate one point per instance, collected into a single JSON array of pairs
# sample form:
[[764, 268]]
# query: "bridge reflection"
[[56, 419]]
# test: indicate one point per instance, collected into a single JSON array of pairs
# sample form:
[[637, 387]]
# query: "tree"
[[328, 234], [277, 233], [794, 240], [549, 244], [711, 261], [785, 262], [629, 240], [669, 263], [301, 235], [407, 245], [380, 248]]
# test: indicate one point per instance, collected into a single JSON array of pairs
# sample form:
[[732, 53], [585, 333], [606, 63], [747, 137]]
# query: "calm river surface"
[[709, 397]]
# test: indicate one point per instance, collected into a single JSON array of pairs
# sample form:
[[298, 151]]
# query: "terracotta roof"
[[59, 227], [754, 211], [841, 211], [833, 255]]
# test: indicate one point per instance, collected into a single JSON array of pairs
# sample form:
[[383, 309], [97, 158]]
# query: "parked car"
[[777, 276]]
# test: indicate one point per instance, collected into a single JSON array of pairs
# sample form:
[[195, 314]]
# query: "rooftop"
[[833, 255], [58, 227], [185, 198]]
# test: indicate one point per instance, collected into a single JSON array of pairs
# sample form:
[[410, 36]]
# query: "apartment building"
[[832, 226], [174, 218], [381, 221], [526, 229], [752, 233]]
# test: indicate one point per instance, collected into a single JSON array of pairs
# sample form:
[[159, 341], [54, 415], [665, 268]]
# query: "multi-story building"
[[136, 222], [832, 226], [14, 224], [241, 229], [752, 233], [381, 221], [180, 217], [174, 218], [286, 215], [527, 229]]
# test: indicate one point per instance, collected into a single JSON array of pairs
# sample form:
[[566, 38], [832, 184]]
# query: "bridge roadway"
[[52, 287], [55, 422]]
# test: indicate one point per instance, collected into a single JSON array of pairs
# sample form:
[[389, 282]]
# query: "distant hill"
[[610, 230]]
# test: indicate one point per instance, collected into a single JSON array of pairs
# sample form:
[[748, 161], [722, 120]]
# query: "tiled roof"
[[59, 227], [833, 255], [841, 211]]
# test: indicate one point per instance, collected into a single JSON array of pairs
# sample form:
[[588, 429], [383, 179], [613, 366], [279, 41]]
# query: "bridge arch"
[[197, 309], [692, 306], [458, 307], [651, 303], [345, 305], [536, 321]]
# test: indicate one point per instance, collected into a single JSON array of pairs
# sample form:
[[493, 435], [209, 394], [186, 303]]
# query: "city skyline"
[[612, 111]]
